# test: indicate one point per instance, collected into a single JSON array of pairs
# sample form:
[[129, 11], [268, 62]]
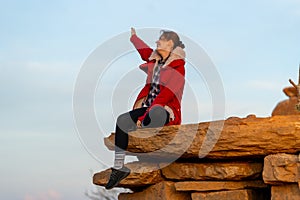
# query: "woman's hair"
[[171, 35]]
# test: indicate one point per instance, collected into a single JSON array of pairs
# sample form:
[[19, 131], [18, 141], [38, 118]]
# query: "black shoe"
[[116, 176]]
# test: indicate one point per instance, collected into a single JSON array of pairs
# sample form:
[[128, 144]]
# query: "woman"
[[159, 102]]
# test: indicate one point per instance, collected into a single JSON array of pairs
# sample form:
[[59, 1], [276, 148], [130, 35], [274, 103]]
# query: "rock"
[[232, 195], [251, 116], [281, 168], [212, 171], [288, 192], [162, 191], [286, 107], [217, 185], [239, 138], [142, 174]]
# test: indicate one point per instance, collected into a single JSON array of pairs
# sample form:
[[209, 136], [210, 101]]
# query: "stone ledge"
[[240, 138], [212, 171], [142, 174]]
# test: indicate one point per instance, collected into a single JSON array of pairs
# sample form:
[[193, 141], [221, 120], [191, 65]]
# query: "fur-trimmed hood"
[[176, 54]]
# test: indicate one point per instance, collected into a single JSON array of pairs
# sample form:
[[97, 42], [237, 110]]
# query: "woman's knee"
[[125, 122], [123, 119]]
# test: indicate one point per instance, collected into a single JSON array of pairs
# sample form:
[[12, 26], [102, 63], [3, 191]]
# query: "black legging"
[[126, 122]]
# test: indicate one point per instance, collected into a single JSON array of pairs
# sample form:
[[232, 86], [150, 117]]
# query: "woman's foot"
[[116, 176]]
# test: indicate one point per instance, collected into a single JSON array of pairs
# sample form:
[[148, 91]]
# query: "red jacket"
[[171, 80]]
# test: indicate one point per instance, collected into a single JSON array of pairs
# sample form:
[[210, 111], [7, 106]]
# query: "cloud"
[[48, 195]]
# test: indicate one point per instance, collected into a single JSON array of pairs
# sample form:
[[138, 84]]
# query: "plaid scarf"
[[154, 87]]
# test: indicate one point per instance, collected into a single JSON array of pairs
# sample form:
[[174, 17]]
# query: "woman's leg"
[[125, 123]]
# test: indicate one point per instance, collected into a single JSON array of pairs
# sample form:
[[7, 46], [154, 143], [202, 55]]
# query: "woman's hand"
[[133, 32], [139, 124]]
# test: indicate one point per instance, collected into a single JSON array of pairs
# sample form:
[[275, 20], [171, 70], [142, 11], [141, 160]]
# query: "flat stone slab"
[[217, 185], [142, 174], [249, 137], [213, 171]]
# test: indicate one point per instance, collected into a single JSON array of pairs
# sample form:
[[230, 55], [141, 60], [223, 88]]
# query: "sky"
[[44, 45]]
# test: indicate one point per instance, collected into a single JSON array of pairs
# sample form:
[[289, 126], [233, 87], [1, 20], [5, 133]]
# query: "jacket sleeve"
[[144, 50]]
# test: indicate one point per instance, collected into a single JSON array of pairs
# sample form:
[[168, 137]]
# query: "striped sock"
[[119, 160]]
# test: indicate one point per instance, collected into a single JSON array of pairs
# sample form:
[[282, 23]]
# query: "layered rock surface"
[[253, 159]]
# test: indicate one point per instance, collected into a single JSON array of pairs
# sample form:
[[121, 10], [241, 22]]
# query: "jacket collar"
[[176, 54]]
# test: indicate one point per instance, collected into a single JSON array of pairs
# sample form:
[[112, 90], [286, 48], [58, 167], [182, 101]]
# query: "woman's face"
[[164, 45]]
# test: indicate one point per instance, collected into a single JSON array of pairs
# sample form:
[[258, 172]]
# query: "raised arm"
[[144, 50]]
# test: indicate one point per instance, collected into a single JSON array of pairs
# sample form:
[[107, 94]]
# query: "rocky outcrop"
[[253, 159]]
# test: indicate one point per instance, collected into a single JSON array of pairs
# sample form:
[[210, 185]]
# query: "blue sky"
[[253, 44]]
